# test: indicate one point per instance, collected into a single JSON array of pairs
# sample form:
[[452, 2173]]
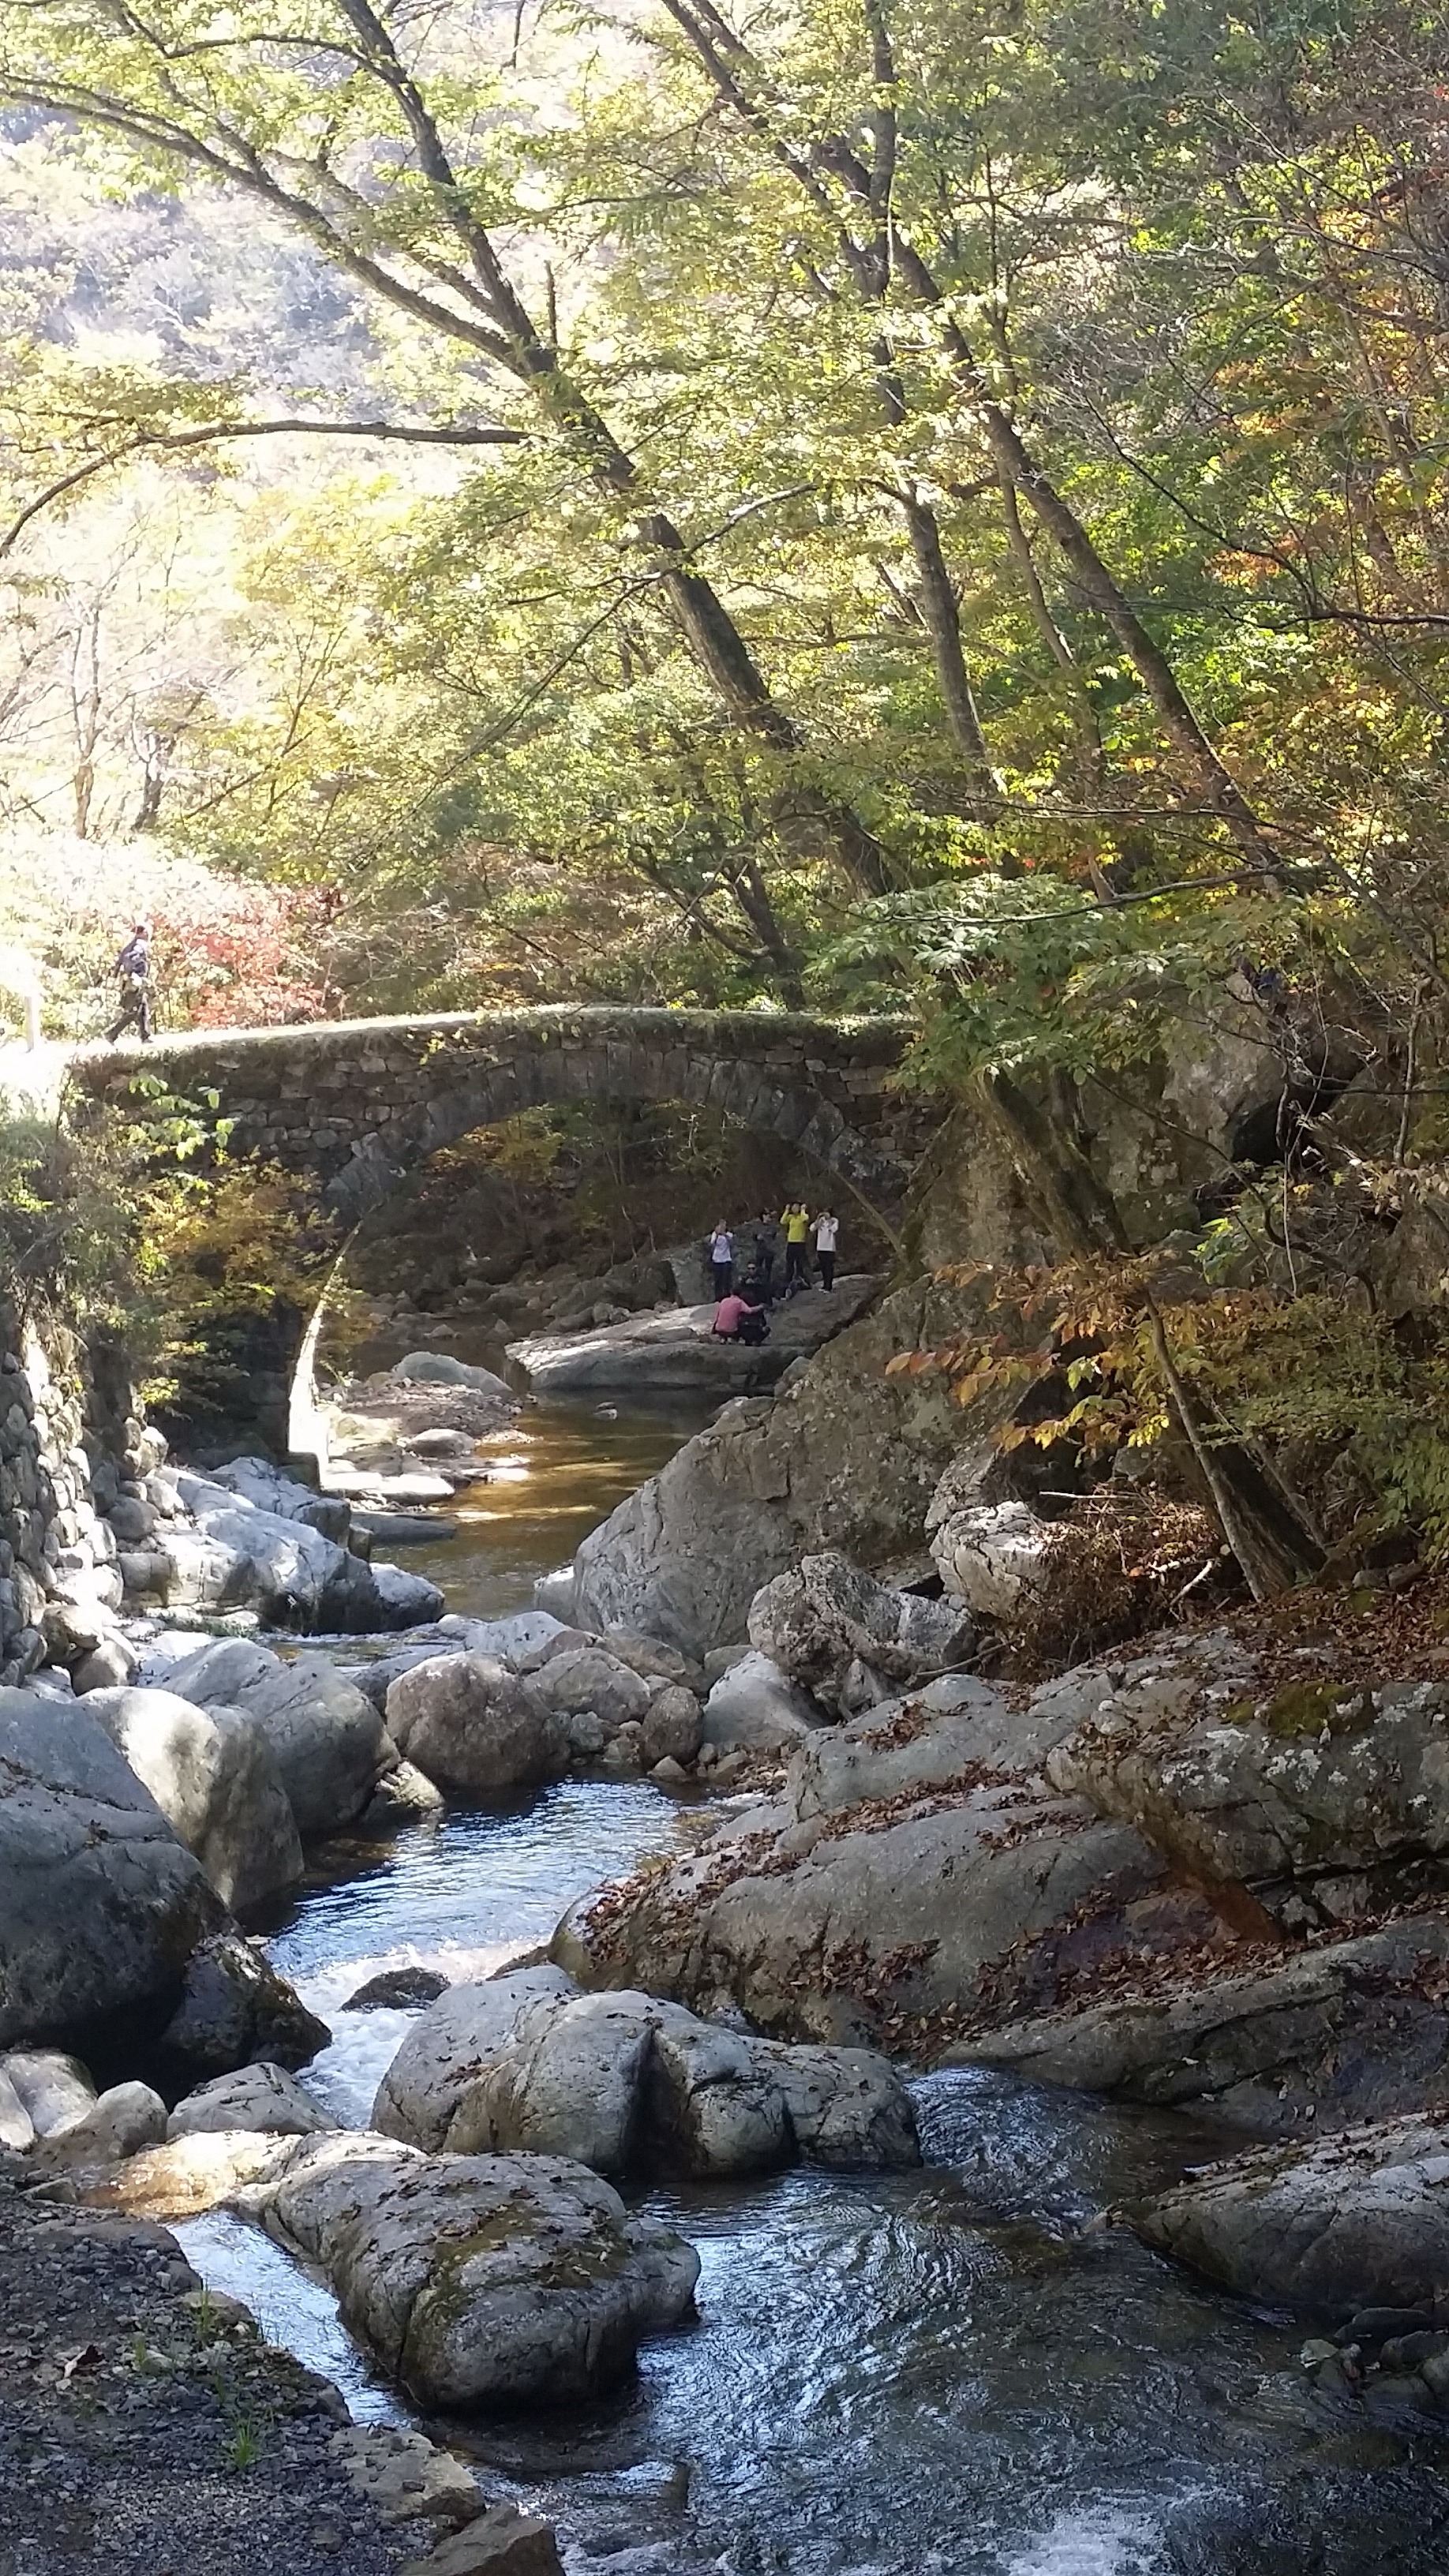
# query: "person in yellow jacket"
[[796, 1222]]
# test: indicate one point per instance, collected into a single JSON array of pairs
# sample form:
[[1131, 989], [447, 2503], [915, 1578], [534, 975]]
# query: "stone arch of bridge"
[[389, 1153]]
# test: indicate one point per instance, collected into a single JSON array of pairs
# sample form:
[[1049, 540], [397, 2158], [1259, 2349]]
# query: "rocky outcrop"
[[847, 1639], [918, 1877], [991, 1556], [481, 2281], [101, 1905], [220, 1551], [214, 1776], [474, 1726], [1331, 2035], [1351, 2222], [676, 1353], [1302, 1786], [329, 1744], [846, 1458]]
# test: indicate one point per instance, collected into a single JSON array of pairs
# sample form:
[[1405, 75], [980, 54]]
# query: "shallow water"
[[905, 2375]]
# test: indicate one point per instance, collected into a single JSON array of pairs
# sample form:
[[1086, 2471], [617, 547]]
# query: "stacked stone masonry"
[[359, 1104]]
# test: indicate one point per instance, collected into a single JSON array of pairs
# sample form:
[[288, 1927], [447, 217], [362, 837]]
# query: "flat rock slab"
[[1359, 2220], [1333, 2035], [676, 1352]]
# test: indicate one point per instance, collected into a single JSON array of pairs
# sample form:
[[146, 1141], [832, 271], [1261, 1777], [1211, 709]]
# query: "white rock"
[[215, 1778], [991, 1556]]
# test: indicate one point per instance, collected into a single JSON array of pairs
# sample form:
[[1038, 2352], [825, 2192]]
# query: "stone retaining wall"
[[61, 1424]]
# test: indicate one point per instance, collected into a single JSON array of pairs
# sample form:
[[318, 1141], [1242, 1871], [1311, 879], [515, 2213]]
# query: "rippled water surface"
[[906, 2375]]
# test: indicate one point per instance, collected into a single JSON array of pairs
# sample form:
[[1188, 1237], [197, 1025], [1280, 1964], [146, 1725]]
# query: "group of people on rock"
[[742, 1312]]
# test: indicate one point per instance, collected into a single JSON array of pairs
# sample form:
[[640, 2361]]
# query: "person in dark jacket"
[[767, 1253], [133, 967]]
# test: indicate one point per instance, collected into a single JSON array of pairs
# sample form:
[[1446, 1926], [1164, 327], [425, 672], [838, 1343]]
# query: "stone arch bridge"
[[359, 1104]]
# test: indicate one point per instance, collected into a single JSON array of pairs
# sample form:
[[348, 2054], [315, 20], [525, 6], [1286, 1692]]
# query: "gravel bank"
[[145, 2429]]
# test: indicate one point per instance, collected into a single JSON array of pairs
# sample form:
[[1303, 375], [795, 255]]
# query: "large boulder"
[[633, 2086], [1241, 1776], [234, 2008], [121, 2122], [588, 1679], [918, 1881], [482, 2281], [330, 1745], [446, 2050], [1336, 2034], [101, 1905], [675, 1352], [846, 1457], [439, 1368], [1355, 2221], [222, 1552], [262, 2096], [474, 1727], [214, 1776], [846, 1638], [54, 2089]]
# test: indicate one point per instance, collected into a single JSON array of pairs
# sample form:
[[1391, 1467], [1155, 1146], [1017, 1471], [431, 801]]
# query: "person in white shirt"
[[722, 1259], [827, 1235]]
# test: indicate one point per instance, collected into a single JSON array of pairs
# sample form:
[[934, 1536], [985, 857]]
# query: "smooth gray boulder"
[[833, 1629], [121, 2122], [17, 2130], [847, 2106], [215, 1778], [481, 2281], [261, 2096], [330, 1744], [755, 1708], [566, 2082], [586, 1678], [439, 1368], [633, 2086], [53, 2088], [223, 1553], [101, 1905], [673, 1725], [445, 2051], [473, 1726], [1355, 2221]]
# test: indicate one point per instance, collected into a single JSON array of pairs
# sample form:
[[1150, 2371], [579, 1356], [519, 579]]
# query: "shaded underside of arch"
[[388, 1153]]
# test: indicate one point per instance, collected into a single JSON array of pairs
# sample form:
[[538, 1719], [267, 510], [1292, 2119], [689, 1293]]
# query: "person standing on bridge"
[[722, 1259], [133, 966]]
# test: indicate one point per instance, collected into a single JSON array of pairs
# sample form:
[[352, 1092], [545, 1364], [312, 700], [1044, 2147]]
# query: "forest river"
[[948, 2370]]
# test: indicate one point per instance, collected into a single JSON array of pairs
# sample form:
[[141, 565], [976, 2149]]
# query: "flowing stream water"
[[900, 2375]]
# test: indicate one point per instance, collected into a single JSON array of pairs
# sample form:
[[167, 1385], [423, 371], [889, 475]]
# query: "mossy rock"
[[1306, 1708]]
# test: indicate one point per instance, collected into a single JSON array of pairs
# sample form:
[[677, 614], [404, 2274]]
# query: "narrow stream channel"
[[904, 2375]]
